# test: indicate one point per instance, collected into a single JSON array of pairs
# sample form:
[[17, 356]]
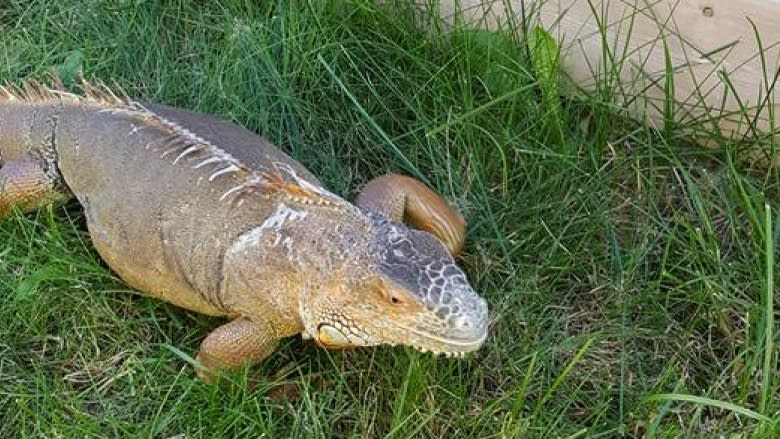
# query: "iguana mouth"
[[461, 347], [331, 337], [461, 354]]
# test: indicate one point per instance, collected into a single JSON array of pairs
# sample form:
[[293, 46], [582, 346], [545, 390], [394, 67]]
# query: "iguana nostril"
[[462, 323]]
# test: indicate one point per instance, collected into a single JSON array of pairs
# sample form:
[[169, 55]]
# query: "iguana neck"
[[295, 251]]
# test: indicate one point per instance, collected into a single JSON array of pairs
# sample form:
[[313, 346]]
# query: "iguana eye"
[[390, 296], [394, 298]]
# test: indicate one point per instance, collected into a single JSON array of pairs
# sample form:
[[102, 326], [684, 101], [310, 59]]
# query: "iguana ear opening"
[[402, 198]]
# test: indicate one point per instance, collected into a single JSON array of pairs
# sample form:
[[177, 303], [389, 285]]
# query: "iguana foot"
[[403, 198], [233, 345], [24, 184]]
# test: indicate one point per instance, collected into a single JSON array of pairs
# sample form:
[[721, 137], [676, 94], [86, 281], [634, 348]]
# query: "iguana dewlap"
[[210, 217]]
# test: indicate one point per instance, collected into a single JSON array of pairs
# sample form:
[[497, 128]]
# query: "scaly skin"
[[212, 218]]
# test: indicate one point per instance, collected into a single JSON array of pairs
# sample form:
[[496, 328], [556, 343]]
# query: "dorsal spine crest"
[[183, 145]]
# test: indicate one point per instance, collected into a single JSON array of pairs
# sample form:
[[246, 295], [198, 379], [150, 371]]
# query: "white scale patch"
[[282, 216]]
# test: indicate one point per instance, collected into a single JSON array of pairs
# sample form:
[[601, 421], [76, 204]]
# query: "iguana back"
[[244, 145]]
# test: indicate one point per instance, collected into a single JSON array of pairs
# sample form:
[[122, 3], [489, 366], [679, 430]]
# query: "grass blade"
[[701, 400], [767, 369]]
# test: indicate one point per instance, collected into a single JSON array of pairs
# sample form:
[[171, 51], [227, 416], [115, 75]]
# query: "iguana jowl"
[[212, 218]]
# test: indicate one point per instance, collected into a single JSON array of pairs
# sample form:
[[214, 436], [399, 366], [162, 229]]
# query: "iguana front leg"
[[24, 184], [403, 198], [233, 345]]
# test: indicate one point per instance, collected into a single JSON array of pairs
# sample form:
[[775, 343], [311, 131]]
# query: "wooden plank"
[[706, 40]]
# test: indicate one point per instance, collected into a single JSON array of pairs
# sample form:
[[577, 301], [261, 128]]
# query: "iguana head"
[[406, 291]]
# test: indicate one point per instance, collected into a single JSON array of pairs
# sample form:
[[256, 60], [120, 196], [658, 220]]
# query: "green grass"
[[630, 276]]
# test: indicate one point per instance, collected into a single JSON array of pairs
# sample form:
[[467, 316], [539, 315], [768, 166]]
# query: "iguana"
[[210, 217]]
